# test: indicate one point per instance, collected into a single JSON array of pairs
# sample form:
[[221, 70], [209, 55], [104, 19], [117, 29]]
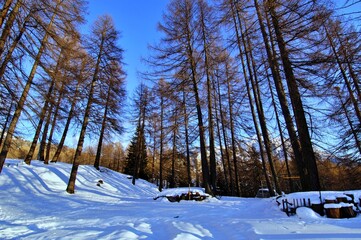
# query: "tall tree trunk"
[[272, 61], [154, 152], [218, 120], [42, 146], [212, 154], [233, 140], [174, 149], [311, 174], [160, 187], [4, 11], [102, 130], [284, 149], [345, 78], [202, 142], [185, 117], [8, 116], [349, 121], [224, 132], [13, 45], [67, 125], [351, 70], [8, 25], [259, 106], [53, 124], [44, 110], [21, 102], [71, 184]]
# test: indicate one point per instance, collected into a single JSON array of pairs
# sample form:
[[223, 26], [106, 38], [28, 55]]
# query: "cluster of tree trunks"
[[243, 92]]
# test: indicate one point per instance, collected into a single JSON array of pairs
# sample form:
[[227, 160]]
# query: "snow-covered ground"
[[35, 205]]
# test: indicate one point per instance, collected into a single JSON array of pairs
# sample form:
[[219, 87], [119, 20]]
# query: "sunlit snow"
[[35, 205]]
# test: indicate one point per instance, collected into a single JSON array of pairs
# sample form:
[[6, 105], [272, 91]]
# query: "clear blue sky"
[[137, 21]]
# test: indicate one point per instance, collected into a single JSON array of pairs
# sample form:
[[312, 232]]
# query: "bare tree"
[[102, 46]]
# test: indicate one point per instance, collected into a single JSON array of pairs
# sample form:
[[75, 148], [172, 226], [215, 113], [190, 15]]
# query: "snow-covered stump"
[[333, 210], [340, 210], [347, 211]]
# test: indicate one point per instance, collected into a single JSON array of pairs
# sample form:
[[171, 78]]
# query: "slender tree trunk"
[[8, 116], [311, 174], [53, 124], [225, 132], [219, 133], [161, 144], [102, 130], [71, 184], [45, 110], [67, 125], [174, 149], [44, 136], [4, 11], [349, 121], [258, 133], [202, 143], [258, 101], [11, 49], [8, 25], [233, 140], [284, 149], [185, 117], [351, 70], [271, 56], [345, 78], [21, 102], [212, 154], [153, 158]]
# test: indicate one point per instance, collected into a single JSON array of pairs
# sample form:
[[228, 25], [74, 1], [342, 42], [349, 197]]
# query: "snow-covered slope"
[[35, 205]]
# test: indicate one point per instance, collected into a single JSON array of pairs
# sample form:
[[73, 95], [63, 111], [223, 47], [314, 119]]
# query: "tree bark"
[[312, 182], [71, 184], [4, 11], [212, 154], [202, 143], [67, 125], [21, 102], [53, 124], [272, 61], [185, 117], [8, 25], [160, 187], [102, 130]]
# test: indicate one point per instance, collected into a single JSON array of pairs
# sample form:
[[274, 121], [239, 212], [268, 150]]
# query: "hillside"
[[35, 205]]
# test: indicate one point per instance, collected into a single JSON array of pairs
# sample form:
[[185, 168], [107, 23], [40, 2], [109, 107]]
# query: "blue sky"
[[137, 21]]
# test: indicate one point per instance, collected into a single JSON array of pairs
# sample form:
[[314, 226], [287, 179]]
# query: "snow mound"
[[91, 183], [306, 213]]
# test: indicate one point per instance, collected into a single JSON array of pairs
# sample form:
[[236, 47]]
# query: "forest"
[[238, 94]]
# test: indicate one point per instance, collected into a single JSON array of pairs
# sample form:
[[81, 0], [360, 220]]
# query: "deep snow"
[[35, 205]]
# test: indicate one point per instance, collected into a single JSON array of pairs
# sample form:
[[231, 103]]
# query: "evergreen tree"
[[136, 161]]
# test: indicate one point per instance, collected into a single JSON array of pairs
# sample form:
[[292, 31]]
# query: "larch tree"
[[180, 53], [102, 47], [57, 13], [114, 95]]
